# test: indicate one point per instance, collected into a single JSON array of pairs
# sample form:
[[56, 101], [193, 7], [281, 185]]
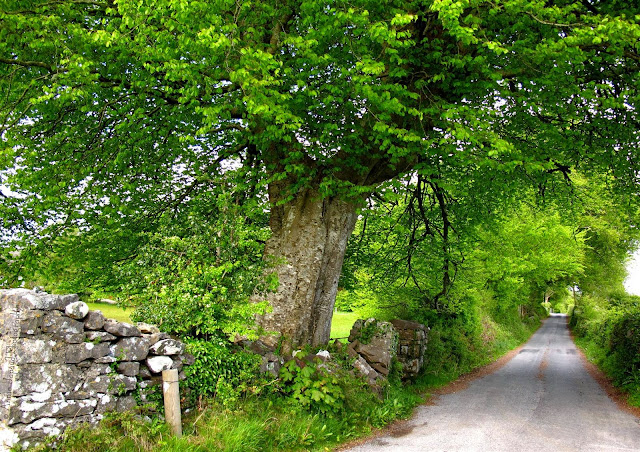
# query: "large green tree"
[[115, 112]]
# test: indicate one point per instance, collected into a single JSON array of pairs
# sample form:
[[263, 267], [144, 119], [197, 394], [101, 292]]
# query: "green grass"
[[112, 311], [342, 323]]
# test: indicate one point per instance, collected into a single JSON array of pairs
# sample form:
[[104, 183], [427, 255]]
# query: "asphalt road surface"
[[542, 400]]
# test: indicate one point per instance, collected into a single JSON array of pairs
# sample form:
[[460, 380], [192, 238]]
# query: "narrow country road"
[[542, 400]]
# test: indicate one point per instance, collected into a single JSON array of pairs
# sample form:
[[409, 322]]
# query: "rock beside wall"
[[63, 365], [375, 345]]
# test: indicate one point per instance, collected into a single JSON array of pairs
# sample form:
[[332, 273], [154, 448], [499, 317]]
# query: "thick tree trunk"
[[309, 238]]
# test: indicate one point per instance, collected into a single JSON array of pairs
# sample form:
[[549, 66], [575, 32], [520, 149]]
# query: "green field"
[[342, 323], [112, 311], [340, 327]]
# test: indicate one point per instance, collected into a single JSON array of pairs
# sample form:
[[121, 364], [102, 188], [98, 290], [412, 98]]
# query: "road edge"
[[400, 427], [619, 397]]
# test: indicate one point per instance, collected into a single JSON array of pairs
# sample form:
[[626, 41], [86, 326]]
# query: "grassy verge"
[[608, 331], [256, 424], [599, 356]]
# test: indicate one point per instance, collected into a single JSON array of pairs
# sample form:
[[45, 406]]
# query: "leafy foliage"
[[191, 271], [519, 258], [219, 373], [312, 386], [198, 274], [113, 115]]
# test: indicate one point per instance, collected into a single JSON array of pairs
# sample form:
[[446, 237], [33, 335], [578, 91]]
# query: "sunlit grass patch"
[[342, 323], [112, 311]]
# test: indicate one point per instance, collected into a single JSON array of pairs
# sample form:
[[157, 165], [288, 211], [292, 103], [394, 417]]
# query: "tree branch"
[[26, 63], [59, 2]]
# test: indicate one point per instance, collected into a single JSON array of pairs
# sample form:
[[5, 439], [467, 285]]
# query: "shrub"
[[609, 331], [220, 373], [625, 348]]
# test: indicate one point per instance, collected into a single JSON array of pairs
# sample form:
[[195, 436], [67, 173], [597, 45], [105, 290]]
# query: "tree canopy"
[[114, 115]]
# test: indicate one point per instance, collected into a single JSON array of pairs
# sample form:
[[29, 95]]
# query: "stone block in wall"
[[376, 342], [30, 300], [27, 412], [39, 378], [63, 327], [157, 337], [126, 403], [34, 351], [130, 349], [76, 353], [94, 320], [79, 395], [37, 397], [111, 384], [188, 359], [95, 370], [146, 328], [366, 370], [106, 403], [177, 362], [121, 329], [37, 430], [99, 336], [31, 323], [130, 369], [144, 372]]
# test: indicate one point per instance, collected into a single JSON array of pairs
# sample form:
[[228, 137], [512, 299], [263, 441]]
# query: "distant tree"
[[114, 113]]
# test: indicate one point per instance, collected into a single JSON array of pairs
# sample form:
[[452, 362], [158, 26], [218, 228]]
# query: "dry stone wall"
[[63, 364], [412, 345]]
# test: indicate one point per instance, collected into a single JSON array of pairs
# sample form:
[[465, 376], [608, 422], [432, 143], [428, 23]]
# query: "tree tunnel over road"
[[544, 399]]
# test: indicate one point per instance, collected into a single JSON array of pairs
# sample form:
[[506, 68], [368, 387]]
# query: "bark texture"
[[309, 239]]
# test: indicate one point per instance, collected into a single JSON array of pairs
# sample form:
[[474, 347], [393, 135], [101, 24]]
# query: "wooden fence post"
[[171, 392]]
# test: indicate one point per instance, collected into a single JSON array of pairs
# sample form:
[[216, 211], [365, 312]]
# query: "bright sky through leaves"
[[632, 283]]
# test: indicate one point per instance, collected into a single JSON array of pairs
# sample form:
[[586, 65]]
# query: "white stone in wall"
[[167, 347], [7, 438], [40, 396], [77, 310], [157, 364]]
